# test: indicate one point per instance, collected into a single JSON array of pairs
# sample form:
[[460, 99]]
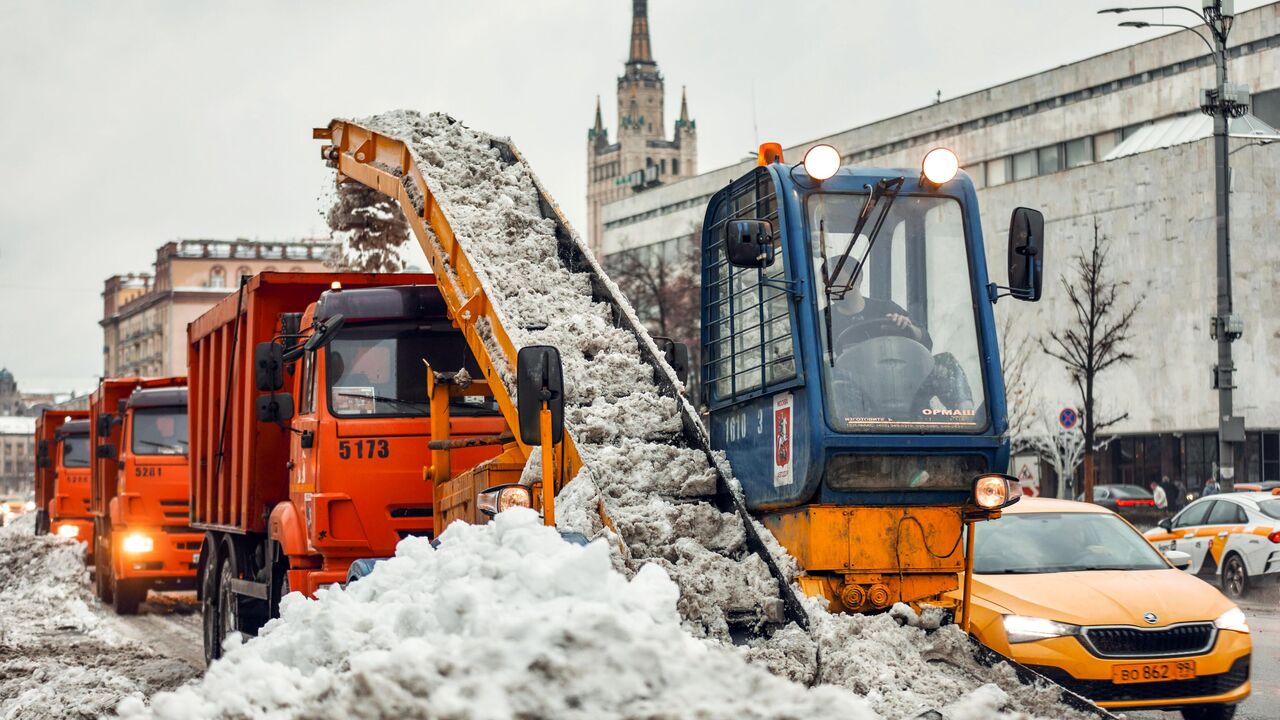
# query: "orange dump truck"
[[310, 422], [62, 475], [140, 484]]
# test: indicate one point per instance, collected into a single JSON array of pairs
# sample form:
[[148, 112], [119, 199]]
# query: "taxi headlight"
[[1232, 619], [1020, 629], [993, 491], [69, 531], [138, 543]]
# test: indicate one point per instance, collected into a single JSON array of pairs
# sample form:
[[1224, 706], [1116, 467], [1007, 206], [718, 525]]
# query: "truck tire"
[[128, 595], [42, 522], [102, 575], [245, 615], [210, 564]]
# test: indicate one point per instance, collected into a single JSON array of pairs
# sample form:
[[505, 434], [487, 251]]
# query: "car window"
[[1225, 513], [1194, 514], [1131, 491], [1102, 494], [1034, 543], [1270, 508]]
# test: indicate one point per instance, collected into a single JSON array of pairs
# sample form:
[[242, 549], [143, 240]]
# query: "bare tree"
[[1062, 449], [1097, 339], [372, 230], [663, 285], [1020, 382]]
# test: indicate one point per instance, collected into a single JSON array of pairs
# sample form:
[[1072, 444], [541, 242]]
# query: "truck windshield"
[[159, 431], [377, 370], [899, 336], [75, 451]]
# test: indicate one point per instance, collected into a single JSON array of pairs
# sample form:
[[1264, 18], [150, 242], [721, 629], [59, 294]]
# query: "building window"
[[977, 174], [1104, 143], [1199, 457], [1025, 165], [998, 171], [1271, 456], [243, 272], [675, 166], [1050, 159], [218, 277], [1079, 152]]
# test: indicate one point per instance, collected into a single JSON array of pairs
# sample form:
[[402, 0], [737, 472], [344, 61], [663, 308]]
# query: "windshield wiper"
[[383, 398], [176, 445], [886, 189]]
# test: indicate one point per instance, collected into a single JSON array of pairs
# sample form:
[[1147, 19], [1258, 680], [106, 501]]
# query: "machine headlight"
[[821, 162], [69, 531], [31, 505], [503, 497], [1232, 619], [940, 165], [1020, 629], [994, 491], [138, 543]]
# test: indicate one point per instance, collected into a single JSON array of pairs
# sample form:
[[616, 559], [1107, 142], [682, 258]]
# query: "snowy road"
[[168, 623]]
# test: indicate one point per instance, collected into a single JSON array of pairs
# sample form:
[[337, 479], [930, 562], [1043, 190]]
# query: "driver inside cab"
[[856, 309]]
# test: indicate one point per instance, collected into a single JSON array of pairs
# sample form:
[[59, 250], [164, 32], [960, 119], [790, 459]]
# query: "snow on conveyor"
[[60, 655]]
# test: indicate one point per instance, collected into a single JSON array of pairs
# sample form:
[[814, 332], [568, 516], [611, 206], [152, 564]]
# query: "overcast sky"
[[129, 124]]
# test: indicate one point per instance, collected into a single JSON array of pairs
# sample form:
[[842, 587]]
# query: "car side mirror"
[[749, 243], [1165, 524], [1178, 559], [268, 366], [322, 333], [1026, 254], [106, 451], [275, 407], [676, 354], [539, 378]]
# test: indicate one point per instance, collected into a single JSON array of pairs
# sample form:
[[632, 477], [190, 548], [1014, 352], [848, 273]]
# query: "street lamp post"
[[1223, 101]]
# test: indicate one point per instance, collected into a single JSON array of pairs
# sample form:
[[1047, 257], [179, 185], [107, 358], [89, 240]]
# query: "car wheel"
[[1216, 711], [1235, 577]]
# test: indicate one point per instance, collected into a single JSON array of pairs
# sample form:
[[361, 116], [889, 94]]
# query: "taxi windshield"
[[75, 451], [159, 431], [898, 329], [378, 370], [1047, 542]]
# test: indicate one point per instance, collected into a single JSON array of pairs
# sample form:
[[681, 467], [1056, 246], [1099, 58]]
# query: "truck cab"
[[851, 369], [152, 547], [69, 508], [357, 483]]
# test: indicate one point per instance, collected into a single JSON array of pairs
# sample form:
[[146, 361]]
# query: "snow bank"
[[59, 656], [503, 620]]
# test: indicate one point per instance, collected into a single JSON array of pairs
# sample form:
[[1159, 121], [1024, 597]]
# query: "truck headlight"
[[1020, 629], [69, 531], [135, 543], [503, 497], [994, 491], [940, 166], [1232, 619]]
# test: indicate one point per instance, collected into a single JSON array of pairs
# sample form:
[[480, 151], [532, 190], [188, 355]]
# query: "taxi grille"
[[1133, 642], [1107, 691]]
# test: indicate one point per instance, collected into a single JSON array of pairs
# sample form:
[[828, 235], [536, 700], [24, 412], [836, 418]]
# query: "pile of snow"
[[59, 655], [504, 620]]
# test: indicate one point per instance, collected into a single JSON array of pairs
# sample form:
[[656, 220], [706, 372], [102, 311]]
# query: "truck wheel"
[[129, 594], [42, 522], [211, 561], [1235, 577], [102, 576], [228, 601]]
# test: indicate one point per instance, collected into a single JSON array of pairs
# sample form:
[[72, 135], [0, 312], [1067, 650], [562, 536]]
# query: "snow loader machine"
[[62, 475], [868, 482]]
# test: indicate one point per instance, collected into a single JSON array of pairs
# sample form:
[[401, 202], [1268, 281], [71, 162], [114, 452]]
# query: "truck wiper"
[[176, 445], [383, 398]]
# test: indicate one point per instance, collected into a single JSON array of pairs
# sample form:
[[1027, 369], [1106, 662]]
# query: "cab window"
[[1226, 513], [75, 451], [1194, 515], [159, 431]]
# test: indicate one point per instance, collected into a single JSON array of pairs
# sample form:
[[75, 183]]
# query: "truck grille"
[[1132, 642], [1107, 691]]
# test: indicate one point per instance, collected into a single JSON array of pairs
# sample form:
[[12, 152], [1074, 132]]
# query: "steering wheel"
[[867, 329]]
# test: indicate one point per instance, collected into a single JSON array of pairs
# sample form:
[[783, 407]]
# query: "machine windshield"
[[75, 451], [1026, 543], [378, 370], [159, 431], [899, 335]]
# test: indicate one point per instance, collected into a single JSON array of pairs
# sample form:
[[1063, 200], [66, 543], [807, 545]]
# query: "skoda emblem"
[[1150, 618]]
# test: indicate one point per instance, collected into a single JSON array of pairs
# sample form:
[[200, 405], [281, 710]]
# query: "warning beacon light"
[[940, 165], [821, 162]]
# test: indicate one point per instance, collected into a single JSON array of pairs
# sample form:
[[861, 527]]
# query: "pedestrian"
[[1173, 494], [1210, 487], [1158, 493]]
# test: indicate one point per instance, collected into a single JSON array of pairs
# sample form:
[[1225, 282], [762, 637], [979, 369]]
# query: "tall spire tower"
[[641, 157]]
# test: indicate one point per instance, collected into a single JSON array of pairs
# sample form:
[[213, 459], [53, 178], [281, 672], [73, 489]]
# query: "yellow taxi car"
[[1076, 593]]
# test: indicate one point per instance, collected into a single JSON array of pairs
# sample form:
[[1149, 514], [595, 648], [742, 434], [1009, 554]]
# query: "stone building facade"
[[643, 157], [1116, 138], [17, 455], [145, 315]]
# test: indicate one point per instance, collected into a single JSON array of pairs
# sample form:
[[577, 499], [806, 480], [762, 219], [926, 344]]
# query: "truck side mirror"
[[676, 355], [749, 243], [268, 366], [42, 455], [1026, 254], [539, 377], [322, 333], [107, 451], [104, 423], [274, 408]]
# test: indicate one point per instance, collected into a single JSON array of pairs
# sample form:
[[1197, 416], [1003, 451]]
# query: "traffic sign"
[[1068, 418]]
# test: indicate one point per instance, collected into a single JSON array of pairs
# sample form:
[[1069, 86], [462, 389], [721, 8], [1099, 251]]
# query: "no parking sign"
[[1068, 418]]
